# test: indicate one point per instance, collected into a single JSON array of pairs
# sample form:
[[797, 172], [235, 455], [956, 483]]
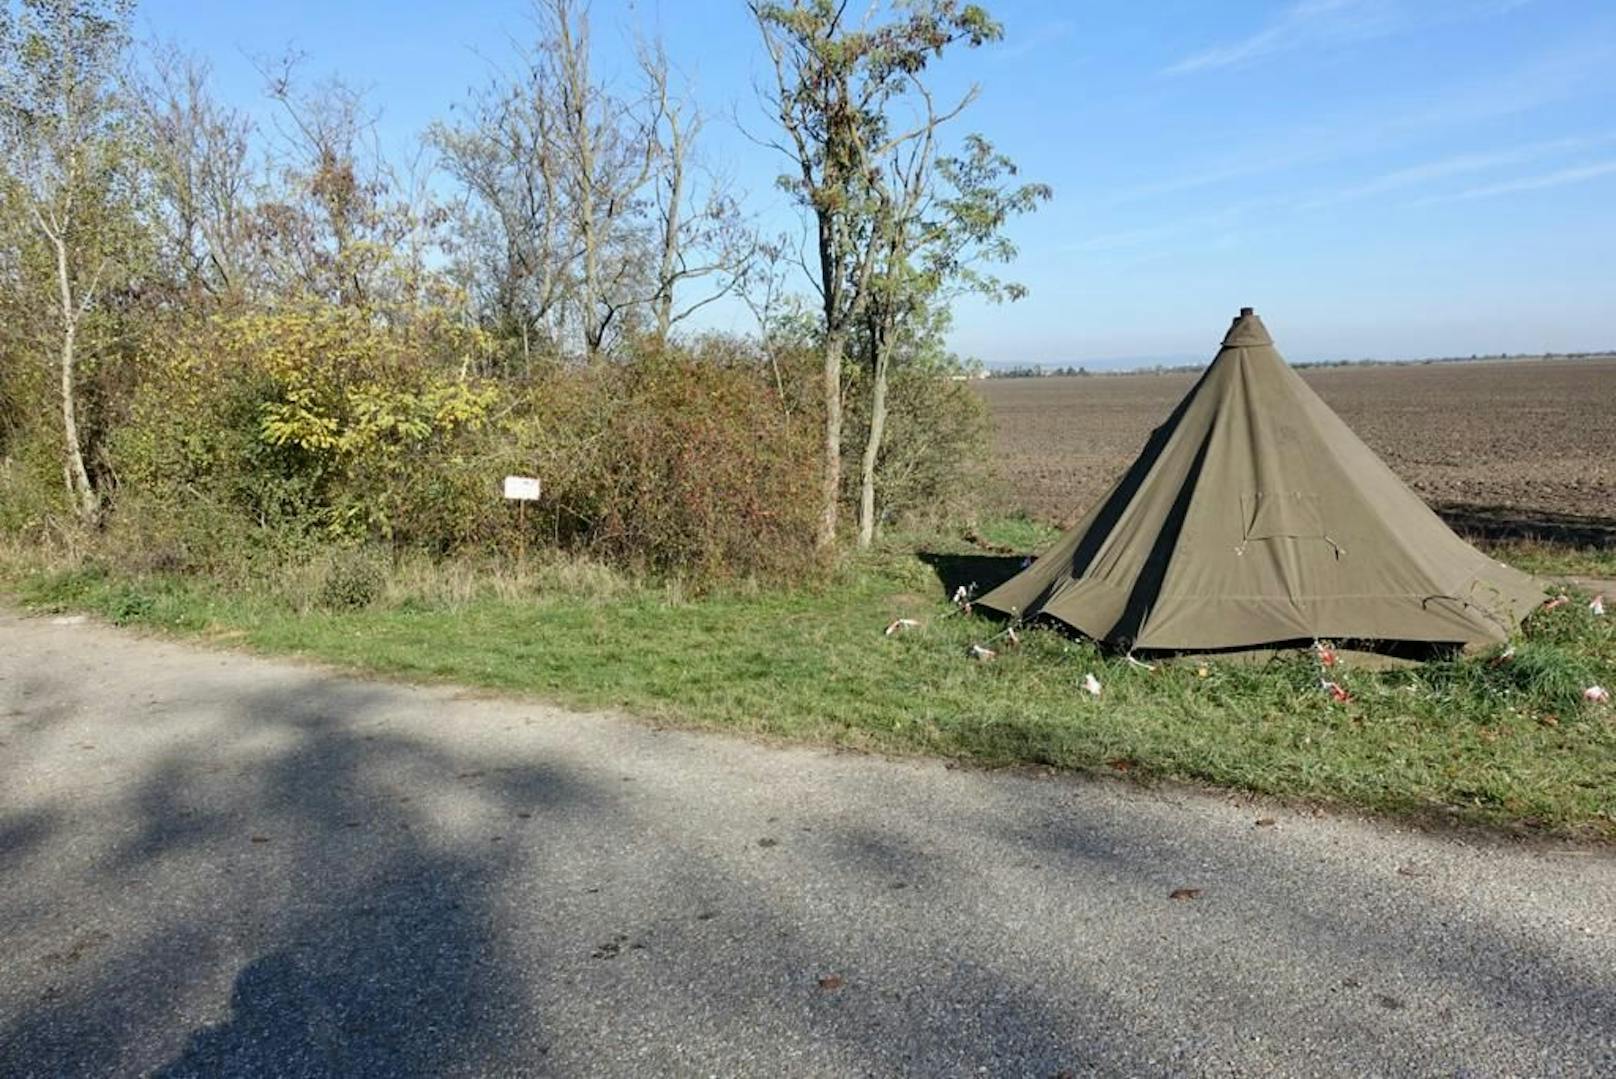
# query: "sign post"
[[521, 490]]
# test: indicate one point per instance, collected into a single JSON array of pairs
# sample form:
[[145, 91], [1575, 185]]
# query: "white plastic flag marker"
[[1091, 684], [1596, 694], [1597, 605]]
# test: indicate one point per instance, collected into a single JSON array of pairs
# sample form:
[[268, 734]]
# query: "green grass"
[[1020, 532], [1553, 560], [1504, 744]]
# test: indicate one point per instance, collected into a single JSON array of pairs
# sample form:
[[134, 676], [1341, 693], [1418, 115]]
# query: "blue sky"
[[1388, 178]]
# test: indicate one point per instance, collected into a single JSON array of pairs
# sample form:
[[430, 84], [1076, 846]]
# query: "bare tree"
[[763, 286], [334, 227], [609, 154], [61, 133], [702, 232], [593, 199], [200, 151], [514, 221]]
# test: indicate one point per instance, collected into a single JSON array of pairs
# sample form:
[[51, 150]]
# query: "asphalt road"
[[223, 866]]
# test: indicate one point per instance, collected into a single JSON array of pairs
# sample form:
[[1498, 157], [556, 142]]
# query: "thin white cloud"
[[1459, 165], [1551, 76], [1559, 178], [1325, 24], [1223, 220], [1049, 33], [1228, 222], [1307, 22]]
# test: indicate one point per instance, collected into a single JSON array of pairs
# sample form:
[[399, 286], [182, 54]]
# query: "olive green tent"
[[1255, 517]]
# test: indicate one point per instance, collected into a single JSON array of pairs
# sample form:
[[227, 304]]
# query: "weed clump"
[[353, 579]]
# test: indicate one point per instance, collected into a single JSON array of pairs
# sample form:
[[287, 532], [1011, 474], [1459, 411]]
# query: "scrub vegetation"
[[224, 339], [259, 385]]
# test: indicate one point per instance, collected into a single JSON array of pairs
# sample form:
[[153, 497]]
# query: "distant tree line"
[[1036, 371], [1041, 371]]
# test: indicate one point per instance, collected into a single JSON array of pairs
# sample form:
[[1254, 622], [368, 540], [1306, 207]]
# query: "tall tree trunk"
[[872, 443], [831, 480], [594, 329], [670, 233], [578, 101], [85, 500], [674, 179]]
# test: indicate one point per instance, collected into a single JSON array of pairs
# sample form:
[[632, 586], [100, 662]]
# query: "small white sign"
[[522, 488]]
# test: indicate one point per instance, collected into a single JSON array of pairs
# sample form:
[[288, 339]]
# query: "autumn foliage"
[[319, 424], [222, 338]]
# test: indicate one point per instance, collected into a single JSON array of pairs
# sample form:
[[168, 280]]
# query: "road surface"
[[218, 865]]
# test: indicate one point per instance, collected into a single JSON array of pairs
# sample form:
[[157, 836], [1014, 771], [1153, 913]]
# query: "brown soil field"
[[1533, 438]]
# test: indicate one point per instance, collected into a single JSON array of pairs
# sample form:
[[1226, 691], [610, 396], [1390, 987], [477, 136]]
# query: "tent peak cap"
[[1247, 330]]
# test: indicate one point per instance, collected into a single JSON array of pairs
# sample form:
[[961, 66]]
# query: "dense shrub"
[[682, 460], [701, 469], [31, 485], [320, 420], [320, 426], [32, 493], [354, 578], [935, 457]]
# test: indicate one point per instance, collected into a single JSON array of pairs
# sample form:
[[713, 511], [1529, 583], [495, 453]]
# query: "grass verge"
[[1497, 743]]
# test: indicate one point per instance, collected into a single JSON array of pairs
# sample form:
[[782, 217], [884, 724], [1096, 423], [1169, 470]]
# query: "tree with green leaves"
[[837, 98], [943, 222], [68, 174]]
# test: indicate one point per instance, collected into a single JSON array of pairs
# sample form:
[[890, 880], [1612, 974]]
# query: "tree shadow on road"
[[316, 877], [300, 883], [367, 943]]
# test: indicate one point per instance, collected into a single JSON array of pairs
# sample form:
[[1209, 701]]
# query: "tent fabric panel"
[[1254, 514]]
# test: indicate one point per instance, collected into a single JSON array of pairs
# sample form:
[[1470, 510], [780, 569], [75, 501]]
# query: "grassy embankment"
[[1510, 743]]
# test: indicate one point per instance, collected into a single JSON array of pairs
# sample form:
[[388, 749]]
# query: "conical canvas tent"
[[1255, 517]]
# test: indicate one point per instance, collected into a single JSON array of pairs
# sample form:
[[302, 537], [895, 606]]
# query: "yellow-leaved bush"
[[298, 427], [317, 419]]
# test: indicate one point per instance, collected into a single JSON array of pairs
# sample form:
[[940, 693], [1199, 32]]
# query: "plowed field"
[[1533, 438]]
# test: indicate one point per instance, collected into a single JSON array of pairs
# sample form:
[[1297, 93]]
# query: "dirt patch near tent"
[[1521, 444]]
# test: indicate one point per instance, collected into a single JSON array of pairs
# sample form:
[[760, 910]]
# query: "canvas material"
[[1255, 515]]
